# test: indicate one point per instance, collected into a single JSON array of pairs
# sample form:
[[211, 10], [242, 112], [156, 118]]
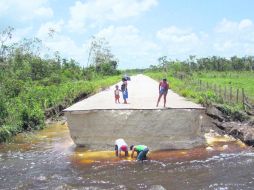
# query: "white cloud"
[[177, 35], [234, 38], [67, 47], [101, 10], [44, 12], [3, 7], [60, 42], [180, 42], [228, 26], [25, 10], [244, 24], [21, 33], [132, 49], [45, 29]]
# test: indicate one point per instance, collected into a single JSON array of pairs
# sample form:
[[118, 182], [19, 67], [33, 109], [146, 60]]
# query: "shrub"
[[3, 110], [32, 118]]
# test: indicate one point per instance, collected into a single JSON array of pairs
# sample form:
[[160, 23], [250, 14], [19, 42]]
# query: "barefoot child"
[[117, 95]]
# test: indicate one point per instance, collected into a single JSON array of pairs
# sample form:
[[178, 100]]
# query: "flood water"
[[48, 159]]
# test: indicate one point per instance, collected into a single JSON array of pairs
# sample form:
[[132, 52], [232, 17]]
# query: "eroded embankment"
[[159, 129], [57, 110], [239, 126]]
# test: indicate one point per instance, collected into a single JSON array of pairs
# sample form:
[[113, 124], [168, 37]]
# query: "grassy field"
[[189, 87], [236, 80]]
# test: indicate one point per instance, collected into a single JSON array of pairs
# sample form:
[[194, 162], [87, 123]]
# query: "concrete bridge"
[[97, 121]]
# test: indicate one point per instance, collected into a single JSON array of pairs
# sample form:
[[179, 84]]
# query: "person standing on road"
[[163, 91], [117, 95], [124, 90]]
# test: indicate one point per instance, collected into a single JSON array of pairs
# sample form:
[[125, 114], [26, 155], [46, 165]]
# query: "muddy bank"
[[239, 125], [57, 110]]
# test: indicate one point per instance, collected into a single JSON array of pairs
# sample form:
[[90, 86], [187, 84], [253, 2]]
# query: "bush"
[[13, 87], [3, 110], [7, 131], [32, 118]]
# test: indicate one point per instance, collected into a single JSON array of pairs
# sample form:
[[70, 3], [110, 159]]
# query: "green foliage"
[[3, 109], [30, 84], [213, 63], [12, 87], [237, 80], [32, 117], [6, 132], [235, 73], [190, 90], [235, 112], [26, 111]]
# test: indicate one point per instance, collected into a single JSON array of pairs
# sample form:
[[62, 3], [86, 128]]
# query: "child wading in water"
[[117, 95]]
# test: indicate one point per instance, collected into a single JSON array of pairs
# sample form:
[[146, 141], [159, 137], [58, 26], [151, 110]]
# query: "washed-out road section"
[[97, 121]]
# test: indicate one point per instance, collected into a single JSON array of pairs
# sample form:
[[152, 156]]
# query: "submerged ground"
[[48, 159]]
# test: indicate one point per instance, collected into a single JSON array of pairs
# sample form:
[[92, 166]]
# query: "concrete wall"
[[158, 129]]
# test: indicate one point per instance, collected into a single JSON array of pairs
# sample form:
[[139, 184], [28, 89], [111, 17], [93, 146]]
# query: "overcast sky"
[[138, 31]]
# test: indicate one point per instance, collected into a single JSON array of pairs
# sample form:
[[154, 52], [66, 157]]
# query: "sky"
[[138, 31]]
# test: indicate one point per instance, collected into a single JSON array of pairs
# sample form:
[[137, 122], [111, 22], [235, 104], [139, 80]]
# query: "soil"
[[240, 127]]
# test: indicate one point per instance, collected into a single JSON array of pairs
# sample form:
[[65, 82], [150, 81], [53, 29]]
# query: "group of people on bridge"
[[124, 91], [163, 91]]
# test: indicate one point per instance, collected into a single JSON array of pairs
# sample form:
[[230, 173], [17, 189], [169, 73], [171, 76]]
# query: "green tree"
[[3, 109], [5, 36], [102, 59]]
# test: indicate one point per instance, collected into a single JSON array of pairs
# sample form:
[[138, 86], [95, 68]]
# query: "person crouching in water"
[[117, 95], [121, 145], [141, 150]]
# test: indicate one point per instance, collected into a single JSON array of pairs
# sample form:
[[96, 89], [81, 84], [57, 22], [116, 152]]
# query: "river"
[[48, 159]]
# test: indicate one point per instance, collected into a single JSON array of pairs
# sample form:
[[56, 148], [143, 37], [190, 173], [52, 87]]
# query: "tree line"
[[213, 63]]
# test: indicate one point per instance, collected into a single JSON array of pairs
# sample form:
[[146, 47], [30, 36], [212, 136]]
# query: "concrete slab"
[[143, 94]]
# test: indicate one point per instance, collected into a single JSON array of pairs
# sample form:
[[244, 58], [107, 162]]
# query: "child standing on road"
[[117, 95]]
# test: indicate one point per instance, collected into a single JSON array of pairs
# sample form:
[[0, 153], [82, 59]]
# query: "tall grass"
[[236, 80], [191, 90], [26, 111]]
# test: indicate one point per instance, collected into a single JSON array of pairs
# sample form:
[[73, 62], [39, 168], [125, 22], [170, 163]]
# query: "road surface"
[[143, 94]]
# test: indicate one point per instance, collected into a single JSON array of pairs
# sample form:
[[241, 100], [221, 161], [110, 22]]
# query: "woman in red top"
[[163, 90]]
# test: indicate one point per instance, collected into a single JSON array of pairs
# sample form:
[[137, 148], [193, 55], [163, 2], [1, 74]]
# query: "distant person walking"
[[121, 145], [141, 151], [124, 90], [117, 95], [163, 91]]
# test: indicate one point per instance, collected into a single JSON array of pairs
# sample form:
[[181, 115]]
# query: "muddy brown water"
[[48, 159]]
